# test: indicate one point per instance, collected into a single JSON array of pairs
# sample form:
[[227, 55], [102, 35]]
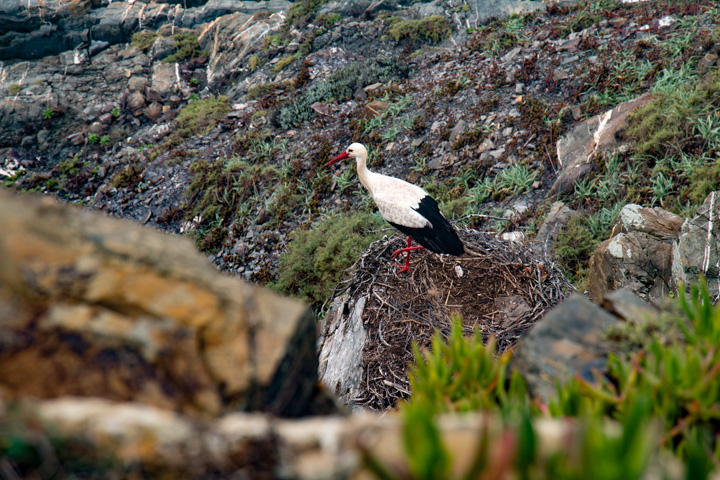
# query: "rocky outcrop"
[[95, 306], [697, 250], [638, 256], [38, 28], [652, 251], [598, 134]]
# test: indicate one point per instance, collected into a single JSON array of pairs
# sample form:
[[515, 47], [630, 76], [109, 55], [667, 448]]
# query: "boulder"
[[697, 250], [164, 77], [556, 220], [567, 342], [95, 306], [639, 255], [577, 149]]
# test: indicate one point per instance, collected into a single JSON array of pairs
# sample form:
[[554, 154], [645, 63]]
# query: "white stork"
[[406, 207]]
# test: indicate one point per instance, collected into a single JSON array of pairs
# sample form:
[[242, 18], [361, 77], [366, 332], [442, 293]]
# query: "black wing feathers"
[[441, 238]]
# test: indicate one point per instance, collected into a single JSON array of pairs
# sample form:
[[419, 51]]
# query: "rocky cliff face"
[[213, 119]]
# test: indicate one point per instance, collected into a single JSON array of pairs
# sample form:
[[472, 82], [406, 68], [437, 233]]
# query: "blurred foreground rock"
[[155, 443], [95, 306]]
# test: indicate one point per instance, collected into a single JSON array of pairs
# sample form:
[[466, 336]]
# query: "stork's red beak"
[[342, 156]]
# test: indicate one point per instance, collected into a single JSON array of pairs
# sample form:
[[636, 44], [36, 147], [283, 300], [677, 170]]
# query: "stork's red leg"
[[408, 249]]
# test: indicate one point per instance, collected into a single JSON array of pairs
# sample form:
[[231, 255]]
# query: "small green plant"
[[10, 181], [339, 86], [316, 258], [115, 112], [186, 47], [144, 40], [105, 140], [69, 167], [515, 180], [445, 379], [14, 89], [128, 176], [198, 117], [48, 114], [415, 32], [327, 20], [393, 110], [581, 237], [94, 138], [253, 62], [194, 81], [283, 62]]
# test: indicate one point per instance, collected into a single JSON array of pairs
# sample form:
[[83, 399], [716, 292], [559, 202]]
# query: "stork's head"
[[355, 150]]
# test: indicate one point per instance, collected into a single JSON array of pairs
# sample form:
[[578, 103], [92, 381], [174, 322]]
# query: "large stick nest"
[[498, 288]]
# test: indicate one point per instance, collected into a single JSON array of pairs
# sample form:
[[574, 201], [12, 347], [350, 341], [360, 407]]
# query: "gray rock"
[[556, 220], [639, 257], [565, 343], [135, 101], [576, 150], [164, 77], [697, 250], [138, 83], [460, 127]]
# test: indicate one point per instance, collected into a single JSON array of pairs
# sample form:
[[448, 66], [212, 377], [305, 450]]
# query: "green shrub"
[[144, 40], [128, 176], [415, 32], [340, 86], [14, 89], [316, 258], [253, 62], [680, 374], [282, 63], [198, 117], [260, 90], [69, 167], [186, 47], [327, 20]]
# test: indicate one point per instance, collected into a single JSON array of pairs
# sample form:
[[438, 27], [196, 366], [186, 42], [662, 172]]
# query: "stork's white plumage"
[[407, 207]]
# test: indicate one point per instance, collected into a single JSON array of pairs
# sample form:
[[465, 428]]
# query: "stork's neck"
[[363, 172]]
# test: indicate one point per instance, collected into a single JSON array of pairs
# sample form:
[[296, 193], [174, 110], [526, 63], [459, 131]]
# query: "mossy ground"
[[199, 116]]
